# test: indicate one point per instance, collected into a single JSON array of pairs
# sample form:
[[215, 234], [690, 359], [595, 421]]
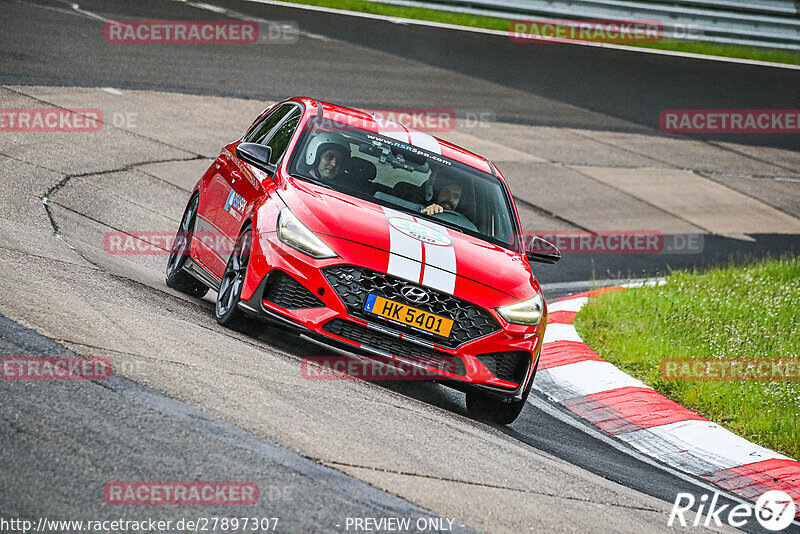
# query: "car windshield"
[[407, 178]]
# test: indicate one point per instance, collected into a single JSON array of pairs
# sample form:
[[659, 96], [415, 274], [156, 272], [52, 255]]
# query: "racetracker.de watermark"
[[730, 370], [39, 120], [50, 120], [160, 243], [180, 32], [596, 31], [730, 120], [180, 493], [200, 32], [615, 242], [401, 120], [423, 119], [54, 368], [347, 368]]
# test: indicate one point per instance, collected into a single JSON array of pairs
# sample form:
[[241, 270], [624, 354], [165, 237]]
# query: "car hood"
[[418, 249]]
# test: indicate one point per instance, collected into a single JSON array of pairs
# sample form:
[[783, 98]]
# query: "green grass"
[[495, 23], [735, 312]]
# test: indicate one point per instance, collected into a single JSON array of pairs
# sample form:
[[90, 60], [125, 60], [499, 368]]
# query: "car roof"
[[402, 133]]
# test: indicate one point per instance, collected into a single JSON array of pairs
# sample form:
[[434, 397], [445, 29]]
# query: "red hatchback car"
[[372, 237]]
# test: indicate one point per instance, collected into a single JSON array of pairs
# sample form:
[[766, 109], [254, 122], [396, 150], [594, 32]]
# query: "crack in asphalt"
[[487, 485], [64, 181], [81, 214]]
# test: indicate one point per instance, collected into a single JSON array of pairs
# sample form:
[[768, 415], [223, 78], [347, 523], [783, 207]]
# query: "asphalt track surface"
[[61, 443]]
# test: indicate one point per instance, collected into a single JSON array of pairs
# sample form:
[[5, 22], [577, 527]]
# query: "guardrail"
[[762, 23]]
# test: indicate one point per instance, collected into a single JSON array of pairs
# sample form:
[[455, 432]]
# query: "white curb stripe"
[[560, 332], [699, 447], [584, 378], [570, 305], [695, 447]]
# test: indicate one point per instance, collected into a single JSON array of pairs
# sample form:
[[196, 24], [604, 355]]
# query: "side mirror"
[[542, 250], [257, 156]]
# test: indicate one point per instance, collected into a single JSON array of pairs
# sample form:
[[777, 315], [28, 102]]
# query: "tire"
[[493, 410], [176, 277], [227, 309]]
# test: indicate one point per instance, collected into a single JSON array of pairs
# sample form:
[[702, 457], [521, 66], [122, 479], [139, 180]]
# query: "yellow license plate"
[[409, 315]]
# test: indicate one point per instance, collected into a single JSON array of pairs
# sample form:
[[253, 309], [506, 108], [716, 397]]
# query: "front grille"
[[286, 292], [510, 365], [353, 284], [387, 343]]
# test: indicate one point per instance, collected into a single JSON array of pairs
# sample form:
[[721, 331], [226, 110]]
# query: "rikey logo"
[[774, 510], [420, 232]]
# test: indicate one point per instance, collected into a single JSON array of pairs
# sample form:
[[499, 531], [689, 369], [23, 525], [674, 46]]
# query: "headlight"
[[295, 234], [527, 313]]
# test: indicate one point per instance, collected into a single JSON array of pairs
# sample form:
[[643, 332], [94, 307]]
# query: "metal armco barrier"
[[764, 23]]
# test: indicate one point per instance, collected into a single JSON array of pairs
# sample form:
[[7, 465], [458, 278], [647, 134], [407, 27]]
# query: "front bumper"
[[328, 320]]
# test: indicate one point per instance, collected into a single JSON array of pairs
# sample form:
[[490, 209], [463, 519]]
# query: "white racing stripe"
[[589, 377], [405, 252], [401, 133], [406, 255], [698, 447], [425, 141], [437, 278], [440, 262], [391, 129]]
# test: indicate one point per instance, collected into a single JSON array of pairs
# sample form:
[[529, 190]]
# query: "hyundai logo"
[[415, 294]]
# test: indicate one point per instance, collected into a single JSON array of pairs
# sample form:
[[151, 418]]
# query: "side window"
[[261, 131], [280, 140]]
